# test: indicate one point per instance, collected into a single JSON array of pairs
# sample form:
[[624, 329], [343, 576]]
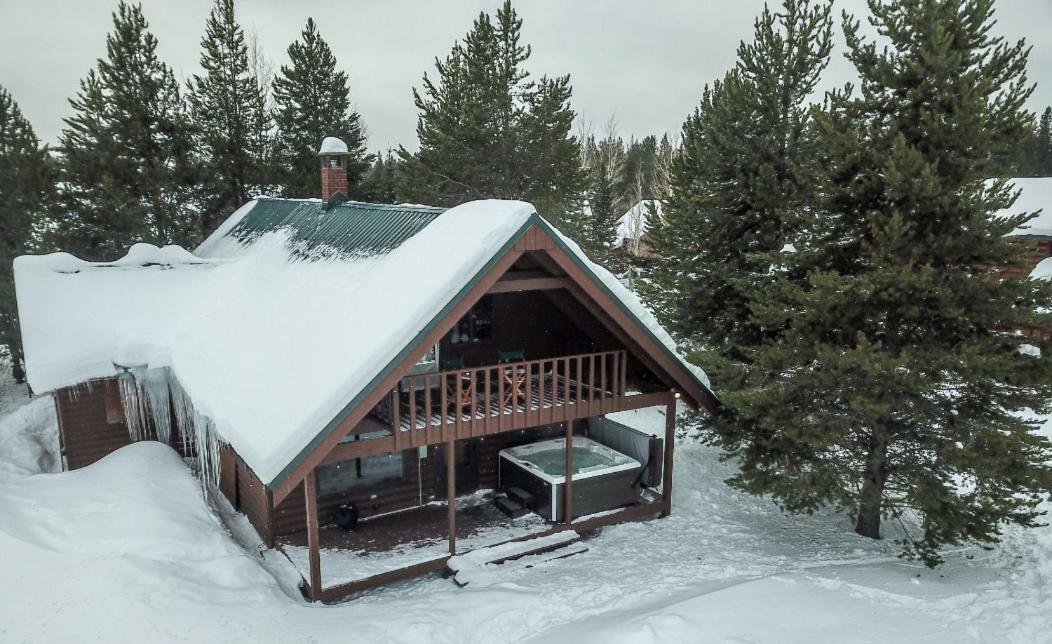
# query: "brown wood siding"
[[290, 515], [86, 434], [228, 473], [86, 428], [253, 500]]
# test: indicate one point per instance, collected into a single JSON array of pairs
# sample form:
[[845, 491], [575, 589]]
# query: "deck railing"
[[474, 401]]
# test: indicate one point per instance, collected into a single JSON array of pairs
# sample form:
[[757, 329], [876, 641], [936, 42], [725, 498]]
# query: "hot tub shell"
[[595, 490]]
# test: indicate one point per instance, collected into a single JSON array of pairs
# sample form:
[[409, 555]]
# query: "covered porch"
[[402, 544]]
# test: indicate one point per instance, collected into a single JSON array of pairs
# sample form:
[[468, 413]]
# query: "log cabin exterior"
[[536, 346]]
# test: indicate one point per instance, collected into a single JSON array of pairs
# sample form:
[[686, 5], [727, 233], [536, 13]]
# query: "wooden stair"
[[485, 565]]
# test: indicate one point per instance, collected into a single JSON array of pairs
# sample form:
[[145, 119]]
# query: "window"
[[476, 326], [335, 162], [359, 473]]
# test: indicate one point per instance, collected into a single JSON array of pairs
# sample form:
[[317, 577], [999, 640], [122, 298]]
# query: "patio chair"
[[467, 392]]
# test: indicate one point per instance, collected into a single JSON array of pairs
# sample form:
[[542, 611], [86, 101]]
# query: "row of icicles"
[[154, 401]]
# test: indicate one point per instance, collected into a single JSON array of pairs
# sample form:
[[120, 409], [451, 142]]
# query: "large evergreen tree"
[[126, 174], [230, 120], [745, 170], [898, 387], [487, 130], [312, 101], [25, 194]]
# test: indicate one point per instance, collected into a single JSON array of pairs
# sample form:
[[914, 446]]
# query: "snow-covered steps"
[[485, 565]]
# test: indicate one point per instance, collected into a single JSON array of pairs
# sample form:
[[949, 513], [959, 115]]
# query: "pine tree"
[[312, 101], [487, 130], [597, 225], [379, 183], [744, 170], [26, 192], [126, 173], [1043, 157], [898, 386], [230, 120]]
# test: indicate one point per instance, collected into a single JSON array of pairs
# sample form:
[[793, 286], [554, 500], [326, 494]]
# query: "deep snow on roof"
[[634, 223], [332, 145], [1035, 194], [275, 326]]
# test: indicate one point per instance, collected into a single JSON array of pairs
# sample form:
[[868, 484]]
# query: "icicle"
[[155, 384], [199, 432], [135, 403], [152, 399]]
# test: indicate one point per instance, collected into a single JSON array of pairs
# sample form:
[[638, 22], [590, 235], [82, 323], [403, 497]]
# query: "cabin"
[[384, 391], [1035, 237]]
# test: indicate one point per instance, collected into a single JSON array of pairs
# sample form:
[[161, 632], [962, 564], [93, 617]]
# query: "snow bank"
[[126, 550], [1035, 194]]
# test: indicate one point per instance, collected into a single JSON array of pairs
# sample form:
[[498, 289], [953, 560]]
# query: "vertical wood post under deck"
[[310, 492], [451, 497], [568, 484], [666, 471]]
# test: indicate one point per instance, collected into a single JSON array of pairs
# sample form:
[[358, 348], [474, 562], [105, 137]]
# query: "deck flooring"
[[400, 539]]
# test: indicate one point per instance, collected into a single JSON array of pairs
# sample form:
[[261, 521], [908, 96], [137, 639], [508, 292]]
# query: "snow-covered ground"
[[127, 550]]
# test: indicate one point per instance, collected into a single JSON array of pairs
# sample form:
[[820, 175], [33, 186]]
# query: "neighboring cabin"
[[328, 361]]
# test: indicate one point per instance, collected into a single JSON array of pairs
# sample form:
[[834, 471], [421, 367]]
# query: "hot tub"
[[603, 478]]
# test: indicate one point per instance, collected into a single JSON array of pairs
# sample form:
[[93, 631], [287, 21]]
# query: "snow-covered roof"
[[1043, 270], [633, 224], [1035, 194], [268, 330], [333, 145]]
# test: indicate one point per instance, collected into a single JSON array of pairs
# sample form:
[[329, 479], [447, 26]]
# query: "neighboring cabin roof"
[[1034, 194], [290, 312], [635, 222]]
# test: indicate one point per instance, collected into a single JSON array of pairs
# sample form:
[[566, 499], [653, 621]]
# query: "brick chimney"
[[333, 154]]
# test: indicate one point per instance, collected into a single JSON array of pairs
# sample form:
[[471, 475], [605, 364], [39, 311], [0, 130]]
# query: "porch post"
[[568, 485], [451, 497], [666, 470], [310, 492]]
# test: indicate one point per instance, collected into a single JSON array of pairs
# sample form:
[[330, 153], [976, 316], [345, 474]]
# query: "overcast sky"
[[641, 63]]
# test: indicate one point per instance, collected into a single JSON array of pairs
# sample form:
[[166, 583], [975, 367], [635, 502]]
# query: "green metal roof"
[[350, 228]]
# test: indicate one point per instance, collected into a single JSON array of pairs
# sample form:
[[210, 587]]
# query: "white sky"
[[642, 63]]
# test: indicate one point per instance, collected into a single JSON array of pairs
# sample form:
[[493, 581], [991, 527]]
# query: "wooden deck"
[[419, 526], [477, 401], [545, 391]]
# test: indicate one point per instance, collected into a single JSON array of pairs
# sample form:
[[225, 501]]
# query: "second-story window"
[[476, 326]]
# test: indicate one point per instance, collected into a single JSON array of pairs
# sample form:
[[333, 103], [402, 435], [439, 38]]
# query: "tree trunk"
[[873, 480]]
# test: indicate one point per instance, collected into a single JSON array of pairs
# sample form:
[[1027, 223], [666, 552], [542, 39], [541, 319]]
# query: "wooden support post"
[[310, 492], [451, 497], [666, 471], [568, 484]]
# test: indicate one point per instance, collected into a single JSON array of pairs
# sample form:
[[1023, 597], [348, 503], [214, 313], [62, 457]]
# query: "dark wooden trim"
[[519, 285], [568, 479], [453, 431], [666, 472], [342, 590], [310, 493], [268, 500], [451, 496], [389, 382], [61, 427]]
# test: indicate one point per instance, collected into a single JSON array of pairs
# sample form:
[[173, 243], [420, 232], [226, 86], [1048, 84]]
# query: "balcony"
[[476, 401]]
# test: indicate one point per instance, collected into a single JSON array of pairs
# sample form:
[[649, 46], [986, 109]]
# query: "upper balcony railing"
[[467, 402]]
